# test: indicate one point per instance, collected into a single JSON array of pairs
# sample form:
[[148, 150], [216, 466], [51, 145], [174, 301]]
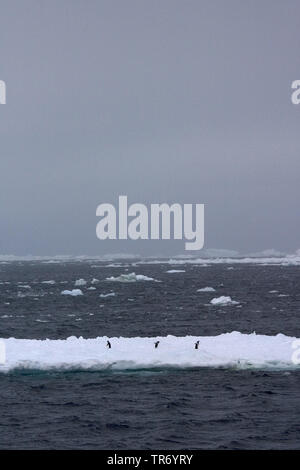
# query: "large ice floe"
[[230, 350]]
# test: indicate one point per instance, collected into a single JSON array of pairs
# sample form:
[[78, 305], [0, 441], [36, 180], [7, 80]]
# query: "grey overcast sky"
[[163, 100]]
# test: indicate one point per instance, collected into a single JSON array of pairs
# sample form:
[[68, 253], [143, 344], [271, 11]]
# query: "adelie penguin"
[[197, 345], [108, 344], [156, 344]]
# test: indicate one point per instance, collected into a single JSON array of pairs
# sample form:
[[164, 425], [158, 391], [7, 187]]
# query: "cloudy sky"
[[183, 101]]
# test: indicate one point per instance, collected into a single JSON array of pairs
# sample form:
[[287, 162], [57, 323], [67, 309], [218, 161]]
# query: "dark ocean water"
[[201, 408]]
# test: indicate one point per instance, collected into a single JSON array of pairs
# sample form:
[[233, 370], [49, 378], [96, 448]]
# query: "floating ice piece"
[[206, 289], [110, 294], [48, 282], [80, 282], [130, 277], [171, 271], [223, 300], [73, 292], [94, 281], [91, 288]]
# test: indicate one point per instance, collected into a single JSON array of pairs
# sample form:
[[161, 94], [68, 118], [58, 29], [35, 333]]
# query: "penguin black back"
[[156, 344], [197, 345], [108, 344]]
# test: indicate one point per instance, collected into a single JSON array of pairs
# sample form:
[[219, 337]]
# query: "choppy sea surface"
[[207, 405]]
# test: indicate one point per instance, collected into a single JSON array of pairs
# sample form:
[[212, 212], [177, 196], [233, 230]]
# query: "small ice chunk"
[[131, 277], [173, 271], [206, 289], [73, 292], [80, 282], [223, 300]]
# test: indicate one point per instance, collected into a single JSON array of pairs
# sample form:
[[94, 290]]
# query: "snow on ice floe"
[[130, 277], [73, 292], [80, 282], [51, 282], [230, 350], [206, 289], [173, 271], [110, 294], [223, 300], [94, 281]]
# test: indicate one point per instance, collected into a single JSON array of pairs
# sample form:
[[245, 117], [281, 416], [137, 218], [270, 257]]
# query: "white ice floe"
[[206, 289], [73, 292], [110, 294], [91, 288], [173, 271], [80, 282], [94, 281], [223, 300], [48, 282], [130, 277], [231, 350]]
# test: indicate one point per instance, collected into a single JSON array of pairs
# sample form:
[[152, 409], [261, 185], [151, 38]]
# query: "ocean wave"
[[228, 350]]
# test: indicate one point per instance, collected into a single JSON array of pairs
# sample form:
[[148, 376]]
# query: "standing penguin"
[[108, 344], [197, 344], [156, 344]]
